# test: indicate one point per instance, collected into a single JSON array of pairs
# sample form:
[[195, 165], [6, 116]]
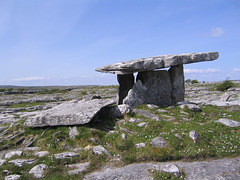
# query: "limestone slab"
[[69, 113], [158, 85], [157, 62]]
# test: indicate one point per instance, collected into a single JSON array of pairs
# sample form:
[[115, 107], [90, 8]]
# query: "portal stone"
[[126, 82], [158, 84], [177, 82]]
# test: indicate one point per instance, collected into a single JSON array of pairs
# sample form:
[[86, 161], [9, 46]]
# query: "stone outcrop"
[[162, 88], [157, 62], [69, 113]]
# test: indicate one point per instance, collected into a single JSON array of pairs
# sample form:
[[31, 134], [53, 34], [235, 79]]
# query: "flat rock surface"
[[69, 113], [216, 169], [229, 122], [156, 62]]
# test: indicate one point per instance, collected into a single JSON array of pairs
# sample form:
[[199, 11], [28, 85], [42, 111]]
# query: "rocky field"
[[196, 139]]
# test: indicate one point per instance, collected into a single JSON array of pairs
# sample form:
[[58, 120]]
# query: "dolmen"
[[154, 86]]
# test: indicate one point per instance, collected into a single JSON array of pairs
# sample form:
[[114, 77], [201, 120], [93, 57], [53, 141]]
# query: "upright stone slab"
[[177, 82], [158, 86], [126, 82]]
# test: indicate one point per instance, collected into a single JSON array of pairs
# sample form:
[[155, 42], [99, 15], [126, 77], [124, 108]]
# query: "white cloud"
[[236, 69], [31, 79], [201, 70], [216, 32]]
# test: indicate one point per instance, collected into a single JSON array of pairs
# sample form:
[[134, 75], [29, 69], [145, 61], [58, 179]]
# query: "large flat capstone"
[[69, 113], [157, 62]]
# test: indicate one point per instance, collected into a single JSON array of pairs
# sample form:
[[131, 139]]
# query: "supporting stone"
[[177, 83], [126, 82], [158, 86]]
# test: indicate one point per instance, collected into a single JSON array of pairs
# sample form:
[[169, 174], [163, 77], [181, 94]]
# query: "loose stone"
[[158, 142], [38, 170], [12, 177], [65, 155], [194, 136]]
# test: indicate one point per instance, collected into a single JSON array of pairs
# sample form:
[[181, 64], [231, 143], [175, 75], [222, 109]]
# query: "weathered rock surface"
[[177, 83], [229, 122], [79, 168], [65, 155], [22, 162], [214, 170], [157, 62], [158, 85], [158, 142], [69, 113], [38, 170]]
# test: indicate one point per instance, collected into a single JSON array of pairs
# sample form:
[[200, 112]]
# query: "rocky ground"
[[150, 142]]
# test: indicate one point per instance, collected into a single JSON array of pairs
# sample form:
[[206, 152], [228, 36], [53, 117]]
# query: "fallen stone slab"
[[229, 122], [38, 170], [69, 113], [65, 155], [79, 168], [157, 62], [22, 162]]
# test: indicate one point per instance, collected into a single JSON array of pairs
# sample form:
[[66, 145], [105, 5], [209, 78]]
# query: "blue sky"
[[62, 42]]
